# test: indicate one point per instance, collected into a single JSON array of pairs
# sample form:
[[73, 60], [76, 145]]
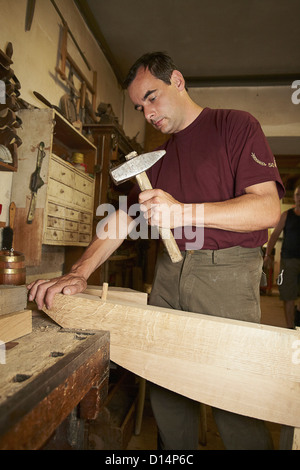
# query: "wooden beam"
[[12, 298], [241, 367], [14, 325], [296, 439]]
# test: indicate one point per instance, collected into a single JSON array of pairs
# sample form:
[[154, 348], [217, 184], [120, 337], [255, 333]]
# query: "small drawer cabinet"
[[64, 209], [70, 203]]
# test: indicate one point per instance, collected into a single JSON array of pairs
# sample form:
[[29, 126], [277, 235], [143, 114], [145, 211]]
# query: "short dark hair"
[[158, 63]]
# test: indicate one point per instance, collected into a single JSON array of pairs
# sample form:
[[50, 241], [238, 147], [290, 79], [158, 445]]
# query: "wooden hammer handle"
[[165, 233]]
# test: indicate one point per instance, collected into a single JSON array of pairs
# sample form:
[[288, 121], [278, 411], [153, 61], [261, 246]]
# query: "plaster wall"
[[36, 56]]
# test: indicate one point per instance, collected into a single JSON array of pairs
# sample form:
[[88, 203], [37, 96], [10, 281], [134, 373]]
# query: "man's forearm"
[[271, 244], [246, 213], [257, 209], [94, 256], [104, 243]]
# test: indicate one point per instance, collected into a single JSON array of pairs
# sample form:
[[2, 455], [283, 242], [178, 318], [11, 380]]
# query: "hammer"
[[136, 165]]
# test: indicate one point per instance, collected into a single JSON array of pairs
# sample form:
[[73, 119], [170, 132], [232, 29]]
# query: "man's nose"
[[149, 113]]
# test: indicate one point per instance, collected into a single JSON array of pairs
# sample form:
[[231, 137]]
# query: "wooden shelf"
[[10, 166], [55, 226], [7, 167]]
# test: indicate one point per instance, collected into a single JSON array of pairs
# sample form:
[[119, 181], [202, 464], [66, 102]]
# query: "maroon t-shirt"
[[214, 159]]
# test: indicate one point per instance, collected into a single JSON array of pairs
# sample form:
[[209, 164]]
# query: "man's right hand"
[[43, 291]]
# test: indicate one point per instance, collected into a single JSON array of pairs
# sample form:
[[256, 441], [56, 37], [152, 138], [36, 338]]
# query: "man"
[[217, 163], [289, 288]]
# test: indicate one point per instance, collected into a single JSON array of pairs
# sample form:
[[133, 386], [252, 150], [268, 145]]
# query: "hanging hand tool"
[[36, 182], [46, 102], [82, 102], [29, 14], [136, 165]]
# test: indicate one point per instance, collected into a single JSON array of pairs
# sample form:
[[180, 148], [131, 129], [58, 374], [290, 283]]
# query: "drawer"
[[84, 185], [85, 217], [59, 172], [84, 228], [82, 200], [71, 225], [55, 222], [60, 191], [85, 238], [56, 210], [54, 235], [71, 237], [71, 214]]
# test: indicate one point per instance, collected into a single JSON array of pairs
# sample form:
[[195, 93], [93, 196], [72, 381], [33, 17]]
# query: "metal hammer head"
[[135, 166]]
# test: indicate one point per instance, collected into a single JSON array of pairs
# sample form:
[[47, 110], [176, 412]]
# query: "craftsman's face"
[[159, 101]]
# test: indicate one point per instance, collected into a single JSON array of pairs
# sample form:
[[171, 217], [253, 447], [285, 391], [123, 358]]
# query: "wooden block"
[[12, 299], [296, 439], [14, 325]]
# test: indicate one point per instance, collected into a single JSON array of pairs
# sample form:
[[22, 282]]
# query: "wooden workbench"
[[45, 375]]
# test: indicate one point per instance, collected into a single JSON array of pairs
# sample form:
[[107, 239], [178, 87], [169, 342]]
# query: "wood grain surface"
[[241, 367]]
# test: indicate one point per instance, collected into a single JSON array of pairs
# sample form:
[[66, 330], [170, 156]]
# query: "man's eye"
[[153, 98]]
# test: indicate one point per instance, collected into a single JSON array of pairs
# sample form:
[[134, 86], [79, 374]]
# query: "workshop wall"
[[271, 105], [36, 55]]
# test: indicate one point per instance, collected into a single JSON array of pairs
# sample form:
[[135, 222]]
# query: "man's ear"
[[178, 80]]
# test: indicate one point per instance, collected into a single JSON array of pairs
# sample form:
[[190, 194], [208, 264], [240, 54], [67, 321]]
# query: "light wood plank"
[[296, 439], [14, 325], [12, 298], [241, 367]]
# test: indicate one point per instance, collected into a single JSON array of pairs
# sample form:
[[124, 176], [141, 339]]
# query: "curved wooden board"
[[250, 369]]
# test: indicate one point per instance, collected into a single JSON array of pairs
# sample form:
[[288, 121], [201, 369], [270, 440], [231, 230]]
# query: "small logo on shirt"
[[270, 165]]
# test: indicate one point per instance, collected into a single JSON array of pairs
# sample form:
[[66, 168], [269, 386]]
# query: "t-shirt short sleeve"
[[251, 157]]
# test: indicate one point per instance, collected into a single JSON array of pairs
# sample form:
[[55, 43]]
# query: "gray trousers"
[[222, 283]]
